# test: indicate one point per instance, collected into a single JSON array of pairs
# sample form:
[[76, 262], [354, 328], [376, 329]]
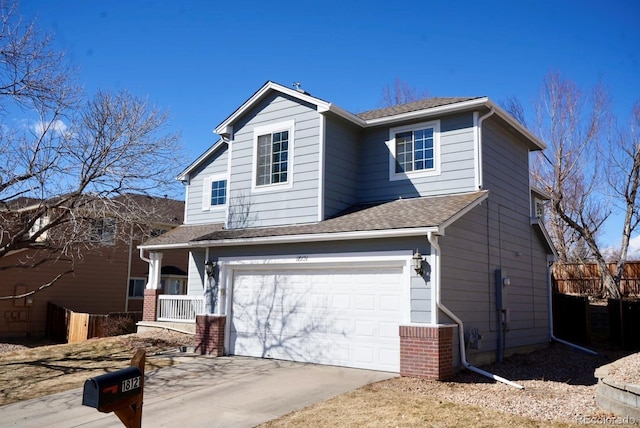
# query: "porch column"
[[153, 288], [155, 266]]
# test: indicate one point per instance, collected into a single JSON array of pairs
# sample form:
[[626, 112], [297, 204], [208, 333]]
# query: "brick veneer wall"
[[427, 351], [210, 334], [150, 305]]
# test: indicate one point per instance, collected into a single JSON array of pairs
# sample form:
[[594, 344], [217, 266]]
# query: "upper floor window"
[[218, 192], [415, 150], [214, 193], [273, 145], [103, 231], [38, 225]]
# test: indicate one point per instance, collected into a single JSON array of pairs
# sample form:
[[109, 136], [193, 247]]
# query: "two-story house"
[[402, 239]]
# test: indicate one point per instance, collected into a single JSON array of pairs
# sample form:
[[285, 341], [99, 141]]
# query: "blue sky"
[[202, 59]]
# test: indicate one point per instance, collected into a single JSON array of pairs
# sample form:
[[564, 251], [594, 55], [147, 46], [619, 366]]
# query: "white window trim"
[[391, 144], [206, 192], [288, 125]]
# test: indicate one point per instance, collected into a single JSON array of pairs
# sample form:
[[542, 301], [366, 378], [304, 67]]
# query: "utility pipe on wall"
[[479, 184], [433, 240], [550, 301]]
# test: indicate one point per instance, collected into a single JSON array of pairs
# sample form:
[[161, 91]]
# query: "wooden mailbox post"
[[119, 392]]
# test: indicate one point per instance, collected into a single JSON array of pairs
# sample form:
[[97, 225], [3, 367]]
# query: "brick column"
[[427, 351], [150, 305], [210, 334]]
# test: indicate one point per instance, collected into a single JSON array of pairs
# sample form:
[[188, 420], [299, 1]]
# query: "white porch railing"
[[179, 308]]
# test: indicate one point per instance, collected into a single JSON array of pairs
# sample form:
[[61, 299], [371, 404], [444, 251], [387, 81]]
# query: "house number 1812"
[[302, 258]]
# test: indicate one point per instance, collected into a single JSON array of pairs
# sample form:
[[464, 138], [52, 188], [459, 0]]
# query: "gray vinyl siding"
[[498, 235], [457, 168], [195, 278], [342, 148], [216, 165], [420, 288], [279, 205]]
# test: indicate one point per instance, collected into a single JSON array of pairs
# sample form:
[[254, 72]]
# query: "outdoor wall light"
[[416, 262], [209, 267]]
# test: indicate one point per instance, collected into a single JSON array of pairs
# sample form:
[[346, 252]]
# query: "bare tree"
[[401, 93], [624, 181], [63, 162], [586, 176], [513, 105]]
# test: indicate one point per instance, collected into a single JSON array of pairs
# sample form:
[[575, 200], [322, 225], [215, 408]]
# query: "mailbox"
[[106, 391]]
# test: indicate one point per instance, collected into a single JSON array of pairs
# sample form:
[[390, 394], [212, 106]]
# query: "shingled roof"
[[415, 213], [413, 106]]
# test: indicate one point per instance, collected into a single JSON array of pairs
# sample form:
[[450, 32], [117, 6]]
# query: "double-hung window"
[[414, 150], [215, 192], [273, 145], [103, 231]]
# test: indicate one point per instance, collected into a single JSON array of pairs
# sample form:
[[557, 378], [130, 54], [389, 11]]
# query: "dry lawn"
[[34, 372]]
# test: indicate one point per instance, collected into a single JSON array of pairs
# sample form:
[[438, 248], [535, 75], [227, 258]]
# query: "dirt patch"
[[29, 372]]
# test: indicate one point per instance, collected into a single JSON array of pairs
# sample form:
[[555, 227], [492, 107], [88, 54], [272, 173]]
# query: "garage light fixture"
[[416, 262], [209, 267]]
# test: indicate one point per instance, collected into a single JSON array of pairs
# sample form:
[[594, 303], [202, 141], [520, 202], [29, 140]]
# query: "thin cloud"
[[57, 126]]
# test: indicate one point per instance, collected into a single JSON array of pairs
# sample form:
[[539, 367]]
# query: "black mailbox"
[[105, 391]]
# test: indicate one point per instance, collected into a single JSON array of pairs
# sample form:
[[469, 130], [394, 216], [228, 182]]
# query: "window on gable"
[[273, 158], [218, 192], [214, 194], [273, 148], [414, 150]]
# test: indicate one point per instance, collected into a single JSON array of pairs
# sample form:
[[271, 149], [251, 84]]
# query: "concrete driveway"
[[204, 392]]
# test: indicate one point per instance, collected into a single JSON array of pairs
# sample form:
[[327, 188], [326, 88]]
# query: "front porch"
[[172, 312]]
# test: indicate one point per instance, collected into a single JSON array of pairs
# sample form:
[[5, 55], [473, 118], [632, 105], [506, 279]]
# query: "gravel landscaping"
[[559, 385]]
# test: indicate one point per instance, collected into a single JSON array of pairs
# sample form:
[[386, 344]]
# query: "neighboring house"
[[108, 277], [310, 220]]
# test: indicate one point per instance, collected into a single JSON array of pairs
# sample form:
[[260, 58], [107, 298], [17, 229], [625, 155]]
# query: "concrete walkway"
[[204, 392]]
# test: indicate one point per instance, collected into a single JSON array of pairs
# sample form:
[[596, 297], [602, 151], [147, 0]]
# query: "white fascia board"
[[462, 212], [449, 108], [539, 193], [316, 237], [345, 115], [269, 86], [184, 175], [518, 126], [535, 221], [182, 245]]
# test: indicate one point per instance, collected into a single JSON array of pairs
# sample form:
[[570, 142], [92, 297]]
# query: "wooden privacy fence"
[[65, 325], [584, 278]]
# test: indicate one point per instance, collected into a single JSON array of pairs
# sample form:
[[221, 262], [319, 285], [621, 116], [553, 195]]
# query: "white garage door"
[[343, 317]]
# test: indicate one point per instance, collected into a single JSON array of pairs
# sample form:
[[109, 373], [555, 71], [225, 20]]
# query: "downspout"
[[479, 121], [143, 258], [550, 301], [433, 240]]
